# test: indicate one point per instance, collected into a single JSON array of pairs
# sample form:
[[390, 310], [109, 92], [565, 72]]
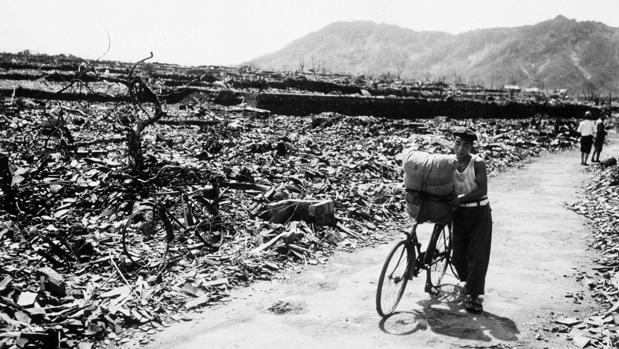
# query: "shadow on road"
[[445, 315]]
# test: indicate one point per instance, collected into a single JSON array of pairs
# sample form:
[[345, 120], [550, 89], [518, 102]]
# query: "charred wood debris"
[[65, 280], [600, 205]]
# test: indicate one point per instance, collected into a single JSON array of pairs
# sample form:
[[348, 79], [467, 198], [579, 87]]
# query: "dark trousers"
[[585, 144], [472, 235]]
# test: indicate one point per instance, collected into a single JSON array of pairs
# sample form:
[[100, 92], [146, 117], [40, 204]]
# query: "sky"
[[229, 32]]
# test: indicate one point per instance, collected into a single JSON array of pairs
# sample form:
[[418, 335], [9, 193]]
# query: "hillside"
[[558, 53]]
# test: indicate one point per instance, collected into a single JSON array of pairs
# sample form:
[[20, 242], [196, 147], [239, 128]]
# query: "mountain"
[[558, 53]]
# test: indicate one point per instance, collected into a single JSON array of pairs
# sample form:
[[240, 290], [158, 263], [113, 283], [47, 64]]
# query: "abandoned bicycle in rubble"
[[161, 227], [406, 261]]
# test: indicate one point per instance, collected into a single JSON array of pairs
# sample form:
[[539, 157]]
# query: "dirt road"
[[538, 245]]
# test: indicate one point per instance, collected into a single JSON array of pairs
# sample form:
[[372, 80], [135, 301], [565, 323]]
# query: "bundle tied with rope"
[[429, 182]]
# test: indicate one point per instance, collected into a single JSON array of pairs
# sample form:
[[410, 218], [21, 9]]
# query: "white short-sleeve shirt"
[[586, 128]]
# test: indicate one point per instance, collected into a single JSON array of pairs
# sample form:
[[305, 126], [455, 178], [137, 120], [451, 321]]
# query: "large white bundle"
[[430, 173], [428, 208]]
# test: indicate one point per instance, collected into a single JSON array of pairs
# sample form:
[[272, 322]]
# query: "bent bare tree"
[[142, 95]]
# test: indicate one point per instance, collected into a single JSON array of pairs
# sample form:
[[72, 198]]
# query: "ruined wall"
[[298, 84], [293, 104], [65, 96]]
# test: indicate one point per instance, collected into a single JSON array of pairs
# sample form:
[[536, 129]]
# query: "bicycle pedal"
[[430, 259], [431, 290]]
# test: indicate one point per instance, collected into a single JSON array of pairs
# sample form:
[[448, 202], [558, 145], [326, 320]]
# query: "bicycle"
[[53, 136], [148, 236], [408, 261]]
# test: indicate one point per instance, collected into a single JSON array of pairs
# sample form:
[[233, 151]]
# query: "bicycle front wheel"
[[393, 278], [145, 239], [441, 256]]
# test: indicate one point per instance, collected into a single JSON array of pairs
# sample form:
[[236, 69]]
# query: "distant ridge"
[[557, 53]]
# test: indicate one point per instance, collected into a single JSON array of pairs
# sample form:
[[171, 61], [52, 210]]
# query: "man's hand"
[[457, 200]]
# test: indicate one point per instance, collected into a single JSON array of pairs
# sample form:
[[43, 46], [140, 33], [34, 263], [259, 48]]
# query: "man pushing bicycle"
[[472, 219], [444, 190]]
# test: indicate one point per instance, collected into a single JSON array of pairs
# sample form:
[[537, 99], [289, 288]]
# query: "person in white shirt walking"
[[586, 128]]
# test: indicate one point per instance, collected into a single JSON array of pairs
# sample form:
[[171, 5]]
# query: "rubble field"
[[65, 278], [601, 206]]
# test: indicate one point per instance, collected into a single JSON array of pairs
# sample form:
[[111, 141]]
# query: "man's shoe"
[[473, 305]]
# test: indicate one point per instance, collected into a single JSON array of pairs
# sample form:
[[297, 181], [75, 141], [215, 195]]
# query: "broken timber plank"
[[312, 211], [245, 186], [323, 212], [190, 122], [256, 112], [346, 230], [270, 243]]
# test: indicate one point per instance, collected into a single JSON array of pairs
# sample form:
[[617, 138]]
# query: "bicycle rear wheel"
[[393, 278], [441, 257], [145, 237]]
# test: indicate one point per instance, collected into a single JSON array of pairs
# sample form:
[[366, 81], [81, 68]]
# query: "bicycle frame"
[[422, 260], [395, 274], [412, 242], [199, 217], [169, 219]]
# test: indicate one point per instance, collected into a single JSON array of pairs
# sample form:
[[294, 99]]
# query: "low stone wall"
[[295, 104], [297, 84], [64, 96]]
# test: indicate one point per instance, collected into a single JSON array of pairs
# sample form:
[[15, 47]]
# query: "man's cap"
[[466, 133]]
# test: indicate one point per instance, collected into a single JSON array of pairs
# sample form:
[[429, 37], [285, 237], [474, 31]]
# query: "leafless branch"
[[139, 62]]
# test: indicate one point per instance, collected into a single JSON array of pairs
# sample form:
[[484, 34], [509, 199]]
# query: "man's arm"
[[481, 178], [595, 130]]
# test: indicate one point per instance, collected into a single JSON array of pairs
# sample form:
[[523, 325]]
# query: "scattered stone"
[[26, 299], [199, 301], [53, 282], [600, 206], [285, 307], [581, 341], [568, 321]]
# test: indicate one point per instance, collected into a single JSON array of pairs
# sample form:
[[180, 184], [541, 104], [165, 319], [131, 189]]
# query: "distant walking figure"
[[600, 136], [586, 128]]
